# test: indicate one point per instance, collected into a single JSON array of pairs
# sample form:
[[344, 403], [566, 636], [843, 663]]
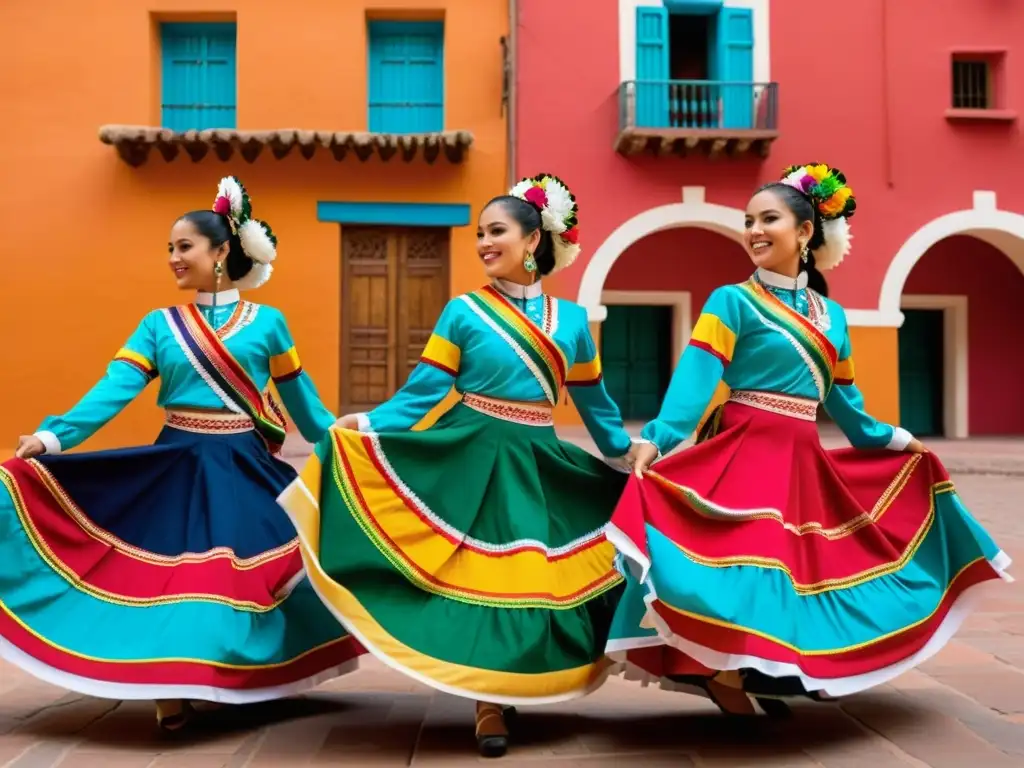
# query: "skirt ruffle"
[[161, 572], [811, 572], [470, 556]]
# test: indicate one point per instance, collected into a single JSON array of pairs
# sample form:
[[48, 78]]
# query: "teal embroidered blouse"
[[256, 335], [771, 334], [472, 349]]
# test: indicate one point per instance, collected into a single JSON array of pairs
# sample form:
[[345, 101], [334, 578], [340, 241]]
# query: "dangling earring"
[[804, 253], [218, 270], [529, 263]]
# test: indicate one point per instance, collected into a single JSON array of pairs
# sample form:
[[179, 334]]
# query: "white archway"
[[1001, 229], [692, 212]]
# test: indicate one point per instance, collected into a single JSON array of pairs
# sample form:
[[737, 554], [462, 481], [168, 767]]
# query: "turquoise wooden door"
[[921, 364], [636, 354]]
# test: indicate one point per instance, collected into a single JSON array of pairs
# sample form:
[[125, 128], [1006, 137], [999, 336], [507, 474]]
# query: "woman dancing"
[[169, 572]]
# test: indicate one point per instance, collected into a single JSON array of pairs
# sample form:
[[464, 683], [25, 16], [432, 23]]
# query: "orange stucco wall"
[[876, 361], [83, 242]]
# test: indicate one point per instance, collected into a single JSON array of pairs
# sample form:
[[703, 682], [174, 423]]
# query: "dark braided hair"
[[215, 227], [527, 216], [803, 209]]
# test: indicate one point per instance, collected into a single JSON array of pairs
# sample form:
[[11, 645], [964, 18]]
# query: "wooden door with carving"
[[394, 286]]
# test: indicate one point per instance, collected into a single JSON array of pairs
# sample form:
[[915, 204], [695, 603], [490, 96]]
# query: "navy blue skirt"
[[166, 571]]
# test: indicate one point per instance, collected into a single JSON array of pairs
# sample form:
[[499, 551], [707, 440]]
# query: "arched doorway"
[[652, 296], [644, 284], [957, 282]]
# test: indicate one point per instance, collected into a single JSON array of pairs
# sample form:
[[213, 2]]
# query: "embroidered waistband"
[[773, 402], [530, 414], [209, 422]]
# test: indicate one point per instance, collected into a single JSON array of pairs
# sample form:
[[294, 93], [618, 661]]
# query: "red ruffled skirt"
[[797, 570]]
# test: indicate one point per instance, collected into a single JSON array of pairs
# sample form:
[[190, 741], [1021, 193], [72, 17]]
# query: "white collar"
[[205, 299], [517, 290], [775, 280]]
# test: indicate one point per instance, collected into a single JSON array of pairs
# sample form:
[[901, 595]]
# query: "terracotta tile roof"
[[134, 142]]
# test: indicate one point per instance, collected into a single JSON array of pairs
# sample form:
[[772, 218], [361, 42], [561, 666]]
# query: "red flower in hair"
[[536, 196], [222, 206], [572, 235]]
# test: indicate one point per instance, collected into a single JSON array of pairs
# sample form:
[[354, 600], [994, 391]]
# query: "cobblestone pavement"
[[964, 707]]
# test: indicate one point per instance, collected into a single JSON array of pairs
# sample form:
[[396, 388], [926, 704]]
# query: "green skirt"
[[470, 557]]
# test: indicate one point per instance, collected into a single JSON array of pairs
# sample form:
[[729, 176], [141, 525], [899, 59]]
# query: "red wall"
[[993, 286], [875, 110], [684, 259]]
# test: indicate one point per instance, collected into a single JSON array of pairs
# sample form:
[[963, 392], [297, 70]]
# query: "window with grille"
[[972, 84]]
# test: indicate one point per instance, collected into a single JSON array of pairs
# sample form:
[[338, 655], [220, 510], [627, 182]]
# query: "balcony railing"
[[745, 113]]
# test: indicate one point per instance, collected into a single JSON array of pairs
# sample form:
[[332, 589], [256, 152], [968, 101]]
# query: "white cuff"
[[641, 440], [900, 439], [619, 462], [363, 422], [50, 442]]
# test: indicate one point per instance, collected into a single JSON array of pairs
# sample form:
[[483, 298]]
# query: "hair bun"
[[834, 202], [558, 213], [259, 244]]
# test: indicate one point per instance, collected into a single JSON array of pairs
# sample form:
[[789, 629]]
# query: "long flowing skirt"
[[810, 572], [470, 556], [167, 571]]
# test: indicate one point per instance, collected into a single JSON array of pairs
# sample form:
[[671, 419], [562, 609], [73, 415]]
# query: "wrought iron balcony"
[[688, 116]]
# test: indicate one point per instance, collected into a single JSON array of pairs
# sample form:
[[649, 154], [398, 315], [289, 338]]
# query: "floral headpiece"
[[832, 197], [258, 241], [558, 212]]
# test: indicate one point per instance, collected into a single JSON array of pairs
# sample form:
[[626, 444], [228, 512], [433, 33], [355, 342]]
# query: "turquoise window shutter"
[[652, 103], [735, 66], [406, 77], [198, 76]]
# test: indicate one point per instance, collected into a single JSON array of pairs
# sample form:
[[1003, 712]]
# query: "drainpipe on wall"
[[510, 100]]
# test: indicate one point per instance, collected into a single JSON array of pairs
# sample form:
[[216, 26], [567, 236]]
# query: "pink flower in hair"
[[222, 206], [537, 196]]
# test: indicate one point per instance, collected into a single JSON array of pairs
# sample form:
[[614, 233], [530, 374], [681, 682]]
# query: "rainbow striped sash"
[[814, 347], [206, 351], [544, 358]]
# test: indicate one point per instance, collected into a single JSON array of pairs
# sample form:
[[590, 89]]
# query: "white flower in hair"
[[230, 188], [255, 277], [559, 207], [837, 244], [256, 242], [519, 190]]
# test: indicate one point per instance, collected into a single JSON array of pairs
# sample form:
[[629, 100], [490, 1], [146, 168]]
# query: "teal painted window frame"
[[727, 55], [181, 104], [394, 214], [391, 108]]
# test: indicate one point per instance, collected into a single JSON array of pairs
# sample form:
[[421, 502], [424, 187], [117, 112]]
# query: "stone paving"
[[964, 707]]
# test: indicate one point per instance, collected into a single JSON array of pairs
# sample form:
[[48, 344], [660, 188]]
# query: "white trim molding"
[[955, 360], [680, 301], [1001, 229], [692, 212], [627, 36]]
